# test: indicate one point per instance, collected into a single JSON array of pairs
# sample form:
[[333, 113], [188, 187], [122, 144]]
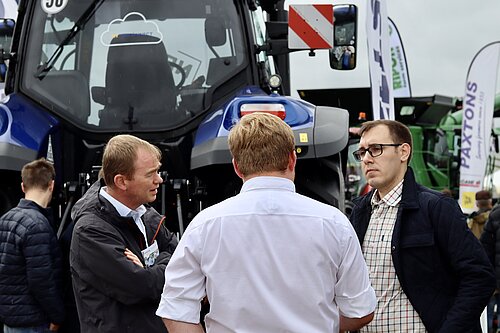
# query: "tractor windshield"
[[131, 65]]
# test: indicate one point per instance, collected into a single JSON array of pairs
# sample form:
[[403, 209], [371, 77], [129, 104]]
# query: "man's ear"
[[236, 169], [406, 151], [22, 187], [51, 186], [120, 182], [292, 160]]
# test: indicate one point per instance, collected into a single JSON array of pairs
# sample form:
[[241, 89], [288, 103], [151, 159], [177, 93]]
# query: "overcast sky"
[[441, 37]]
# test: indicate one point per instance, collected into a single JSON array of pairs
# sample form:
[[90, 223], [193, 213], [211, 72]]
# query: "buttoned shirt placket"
[[394, 312]]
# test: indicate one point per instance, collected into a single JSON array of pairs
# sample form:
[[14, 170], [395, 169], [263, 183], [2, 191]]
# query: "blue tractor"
[[178, 73]]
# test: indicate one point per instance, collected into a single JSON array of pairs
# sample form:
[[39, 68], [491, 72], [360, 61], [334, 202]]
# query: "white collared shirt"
[[124, 211], [270, 260]]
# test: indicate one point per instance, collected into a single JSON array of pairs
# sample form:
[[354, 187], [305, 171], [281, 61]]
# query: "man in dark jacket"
[[490, 238], [120, 247], [428, 270], [30, 259]]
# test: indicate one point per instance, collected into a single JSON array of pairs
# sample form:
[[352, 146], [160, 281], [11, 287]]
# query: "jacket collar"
[[410, 188], [47, 212], [25, 203], [408, 198], [122, 210]]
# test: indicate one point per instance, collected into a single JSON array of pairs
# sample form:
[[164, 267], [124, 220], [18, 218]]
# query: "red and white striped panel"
[[310, 26]]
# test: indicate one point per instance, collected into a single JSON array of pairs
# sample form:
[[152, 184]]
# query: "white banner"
[[400, 79], [8, 9], [379, 59], [477, 121]]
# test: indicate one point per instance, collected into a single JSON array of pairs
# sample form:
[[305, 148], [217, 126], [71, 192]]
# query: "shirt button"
[[394, 248]]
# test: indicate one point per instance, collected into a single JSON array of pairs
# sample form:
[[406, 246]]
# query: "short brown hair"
[[400, 133], [120, 154], [38, 174], [483, 195], [261, 142]]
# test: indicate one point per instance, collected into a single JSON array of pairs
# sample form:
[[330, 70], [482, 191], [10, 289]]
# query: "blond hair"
[[261, 142], [38, 174], [120, 154]]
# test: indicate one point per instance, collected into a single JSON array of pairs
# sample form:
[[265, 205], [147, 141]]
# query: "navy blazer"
[[440, 264]]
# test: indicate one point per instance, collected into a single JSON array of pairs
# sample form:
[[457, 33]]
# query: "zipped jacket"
[[30, 268], [491, 240], [112, 293]]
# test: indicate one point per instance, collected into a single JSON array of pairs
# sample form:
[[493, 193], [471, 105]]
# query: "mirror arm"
[[274, 47], [7, 55], [279, 47]]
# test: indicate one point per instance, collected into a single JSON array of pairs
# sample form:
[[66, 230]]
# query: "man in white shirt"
[[268, 259]]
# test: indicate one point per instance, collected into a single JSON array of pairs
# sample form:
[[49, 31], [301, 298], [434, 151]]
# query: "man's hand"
[[132, 257], [174, 326], [54, 327], [354, 324]]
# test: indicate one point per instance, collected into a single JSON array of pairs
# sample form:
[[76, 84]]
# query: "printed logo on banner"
[[468, 200], [400, 77], [310, 27], [467, 127], [379, 59]]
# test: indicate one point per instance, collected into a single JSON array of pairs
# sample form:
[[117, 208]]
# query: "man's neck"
[[40, 197], [382, 192], [287, 174], [118, 196]]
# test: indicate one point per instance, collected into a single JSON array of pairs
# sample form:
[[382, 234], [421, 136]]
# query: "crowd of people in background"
[[266, 260]]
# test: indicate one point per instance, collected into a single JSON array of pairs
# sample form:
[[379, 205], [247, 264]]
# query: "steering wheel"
[[179, 70]]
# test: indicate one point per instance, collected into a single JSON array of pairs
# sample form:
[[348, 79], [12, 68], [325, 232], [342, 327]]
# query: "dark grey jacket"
[[491, 240], [30, 268], [112, 293], [439, 263]]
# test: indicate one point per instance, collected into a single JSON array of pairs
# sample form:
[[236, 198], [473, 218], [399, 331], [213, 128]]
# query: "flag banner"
[[379, 60], [8, 9], [477, 118], [400, 78]]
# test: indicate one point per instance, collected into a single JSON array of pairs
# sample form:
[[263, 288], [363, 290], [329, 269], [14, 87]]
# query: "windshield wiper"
[[43, 69]]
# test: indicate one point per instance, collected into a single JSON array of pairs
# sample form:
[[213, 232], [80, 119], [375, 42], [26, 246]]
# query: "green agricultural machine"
[[436, 125]]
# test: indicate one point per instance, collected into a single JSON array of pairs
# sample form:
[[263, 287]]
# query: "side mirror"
[[310, 32], [343, 54], [6, 33], [215, 31]]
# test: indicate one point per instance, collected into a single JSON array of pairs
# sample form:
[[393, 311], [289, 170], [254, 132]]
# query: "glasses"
[[374, 150]]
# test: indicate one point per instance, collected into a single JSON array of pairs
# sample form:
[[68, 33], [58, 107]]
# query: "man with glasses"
[[428, 270]]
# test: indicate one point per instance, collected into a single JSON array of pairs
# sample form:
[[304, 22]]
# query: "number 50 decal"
[[53, 6]]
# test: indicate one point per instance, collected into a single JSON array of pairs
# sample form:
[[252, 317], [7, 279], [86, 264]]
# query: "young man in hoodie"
[[120, 248]]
